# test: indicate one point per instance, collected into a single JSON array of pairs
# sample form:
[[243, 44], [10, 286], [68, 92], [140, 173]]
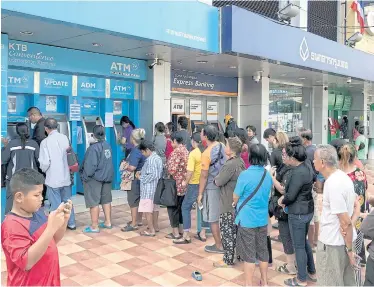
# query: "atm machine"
[[217, 124], [197, 126], [63, 123]]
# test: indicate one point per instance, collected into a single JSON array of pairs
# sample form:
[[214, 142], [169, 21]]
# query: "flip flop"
[[147, 234], [138, 224], [284, 270], [172, 236], [102, 225], [157, 230], [309, 278], [129, 228], [275, 238], [90, 230], [182, 241], [198, 237], [197, 276], [292, 282]]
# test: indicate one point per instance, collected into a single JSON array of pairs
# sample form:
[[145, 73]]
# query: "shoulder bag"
[[166, 192], [251, 196]]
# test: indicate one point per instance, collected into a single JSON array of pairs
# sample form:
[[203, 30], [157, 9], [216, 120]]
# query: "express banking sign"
[[41, 57]]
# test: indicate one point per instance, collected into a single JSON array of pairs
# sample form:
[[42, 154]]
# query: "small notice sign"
[[75, 112]]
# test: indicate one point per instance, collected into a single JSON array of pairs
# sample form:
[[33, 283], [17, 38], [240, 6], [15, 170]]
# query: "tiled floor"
[[115, 258]]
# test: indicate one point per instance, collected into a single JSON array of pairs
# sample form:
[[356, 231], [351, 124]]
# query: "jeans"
[[189, 200], [58, 195], [299, 226]]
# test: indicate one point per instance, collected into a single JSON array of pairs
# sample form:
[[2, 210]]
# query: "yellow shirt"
[[194, 165]]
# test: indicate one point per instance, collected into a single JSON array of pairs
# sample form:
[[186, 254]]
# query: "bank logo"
[[135, 66], [304, 50]]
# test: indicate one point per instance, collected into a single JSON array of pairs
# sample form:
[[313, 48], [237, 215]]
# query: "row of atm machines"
[[196, 125], [85, 138]]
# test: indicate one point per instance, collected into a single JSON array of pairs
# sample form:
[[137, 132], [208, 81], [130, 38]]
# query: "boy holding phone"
[[28, 237]]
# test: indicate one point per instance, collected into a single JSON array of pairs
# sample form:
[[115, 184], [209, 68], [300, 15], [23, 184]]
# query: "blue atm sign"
[[20, 81], [122, 89]]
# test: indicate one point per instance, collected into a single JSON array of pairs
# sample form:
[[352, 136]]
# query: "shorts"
[[251, 244], [133, 196], [315, 218], [146, 205], [97, 193], [211, 204]]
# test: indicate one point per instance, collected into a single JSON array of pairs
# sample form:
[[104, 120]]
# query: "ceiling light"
[[96, 45], [202, 62], [26, 33], [302, 78], [232, 67]]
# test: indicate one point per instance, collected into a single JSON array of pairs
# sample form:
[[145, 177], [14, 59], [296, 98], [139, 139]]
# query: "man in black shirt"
[[183, 125]]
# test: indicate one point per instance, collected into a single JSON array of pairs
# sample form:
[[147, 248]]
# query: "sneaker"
[[72, 228], [213, 249]]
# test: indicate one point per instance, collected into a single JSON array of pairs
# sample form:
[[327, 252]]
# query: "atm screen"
[[90, 126], [216, 125], [11, 131]]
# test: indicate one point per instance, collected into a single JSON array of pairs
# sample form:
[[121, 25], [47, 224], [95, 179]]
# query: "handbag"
[[72, 160], [166, 192], [251, 195]]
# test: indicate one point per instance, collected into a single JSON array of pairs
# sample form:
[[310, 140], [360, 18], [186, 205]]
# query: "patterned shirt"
[[177, 167], [150, 175], [360, 184]]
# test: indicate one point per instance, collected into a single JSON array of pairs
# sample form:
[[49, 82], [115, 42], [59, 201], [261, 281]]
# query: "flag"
[[356, 6]]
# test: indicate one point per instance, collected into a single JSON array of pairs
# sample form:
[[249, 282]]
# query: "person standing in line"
[[212, 161], [367, 228], [159, 141], [251, 131], [335, 254], [192, 179], [149, 177], [298, 200], [242, 135], [344, 128], [177, 169], [251, 200], [226, 180], [355, 133], [135, 162], [97, 175], [28, 237], [19, 153], [127, 128], [169, 130], [362, 146], [182, 127], [39, 134], [53, 161]]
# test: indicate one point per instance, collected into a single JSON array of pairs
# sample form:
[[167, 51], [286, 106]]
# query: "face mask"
[[33, 126]]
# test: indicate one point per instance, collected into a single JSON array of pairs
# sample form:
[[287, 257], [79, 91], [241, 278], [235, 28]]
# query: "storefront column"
[[253, 104], [319, 113], [155, 100], [306, 109]]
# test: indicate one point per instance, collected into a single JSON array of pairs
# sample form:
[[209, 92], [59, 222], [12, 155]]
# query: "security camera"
[[156, 61], [349, 80], [355, 38], [257, 77]]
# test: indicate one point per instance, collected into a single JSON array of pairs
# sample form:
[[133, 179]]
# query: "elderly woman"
[[251, 198]]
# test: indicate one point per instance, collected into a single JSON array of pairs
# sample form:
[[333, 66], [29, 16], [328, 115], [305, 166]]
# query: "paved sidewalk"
[[115, 258]]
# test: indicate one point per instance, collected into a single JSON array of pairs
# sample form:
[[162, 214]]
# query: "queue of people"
[[236, 184]]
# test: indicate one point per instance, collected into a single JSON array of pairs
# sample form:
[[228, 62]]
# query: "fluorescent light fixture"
[[302, 78], [202, 62], [26, 33], [96, 45], [232, 67]]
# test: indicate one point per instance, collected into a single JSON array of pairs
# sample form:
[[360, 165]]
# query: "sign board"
[[108, 120], [55, 84], [122, 89], [195, 110], [20, 81], [212, 111], [91, 87], [178, 106], [347, 103], [75, 112], [195, 83]]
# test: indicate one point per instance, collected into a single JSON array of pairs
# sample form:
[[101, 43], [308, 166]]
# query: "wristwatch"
[[348, 249]]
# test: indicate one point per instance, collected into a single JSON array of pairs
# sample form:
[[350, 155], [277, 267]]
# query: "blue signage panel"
[[240, 34], [20, 81], [165, 21], [55, 84], [90, 107], [122, 89], [91, 87], [188, 82], [35, 56]]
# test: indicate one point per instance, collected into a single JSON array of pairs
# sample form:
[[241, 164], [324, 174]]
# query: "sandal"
[[172, 236], [283, 269], [138, 224], [147, 234], [129, 228], [102, 225], [198, 237], [157, 230], [182, 241], [275, 238], [292, 282], [197, 276], [90, 230], [310, 278]]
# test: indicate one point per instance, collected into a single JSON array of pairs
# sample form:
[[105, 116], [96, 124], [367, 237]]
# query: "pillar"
[[319, 112], [306, 109], [155, 100], [253, 104]]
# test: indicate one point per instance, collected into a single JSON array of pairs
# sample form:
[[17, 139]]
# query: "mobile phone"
[[200, 206]]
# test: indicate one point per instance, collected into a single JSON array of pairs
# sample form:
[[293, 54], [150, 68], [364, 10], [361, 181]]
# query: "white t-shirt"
[[338, 197]]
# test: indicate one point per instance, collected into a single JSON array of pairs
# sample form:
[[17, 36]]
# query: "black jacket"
[[97, 163], [39, 131], [13, 157], [298, 197]]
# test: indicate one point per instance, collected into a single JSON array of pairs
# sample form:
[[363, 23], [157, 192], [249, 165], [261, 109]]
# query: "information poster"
[[75, 112], [178, 106], [12, 104], [195, 110], [212, 111], [117, 108], [51, 104], [108, 120]]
